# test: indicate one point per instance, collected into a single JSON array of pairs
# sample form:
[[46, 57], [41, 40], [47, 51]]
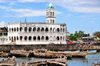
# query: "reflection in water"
[[87, 61]]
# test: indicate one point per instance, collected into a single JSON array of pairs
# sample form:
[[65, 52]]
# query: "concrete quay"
[[53, 47]]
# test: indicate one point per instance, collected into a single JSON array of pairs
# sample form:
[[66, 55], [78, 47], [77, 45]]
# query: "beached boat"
[[19, 53], [92, 51]]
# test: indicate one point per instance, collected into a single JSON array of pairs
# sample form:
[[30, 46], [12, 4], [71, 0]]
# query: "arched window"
[[42, 29], [21, 38], [17, 37], [38, 38], [57, 37], [53, 21], [20, 28], [30, 38], [14, 29], [17, 28], [53, 29], [38, 29], [50, 13], [50, 20], [57, 29], [46, 29], [30, 29], [61, 38], [47, 38], [34, 29], [53, 14], [14, 38], [25, 29], [63, 29], [25, 38], [42, 38], [50, 29], [34, 38]]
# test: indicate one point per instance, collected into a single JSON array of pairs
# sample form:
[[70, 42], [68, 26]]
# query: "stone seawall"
[[49, 47]]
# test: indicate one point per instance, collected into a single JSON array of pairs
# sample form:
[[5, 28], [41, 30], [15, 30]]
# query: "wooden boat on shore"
[[76, 53], [8, 62], [54, 54], [48, 62], [92, 51], [20, 53], [4, 54], [50, 54]]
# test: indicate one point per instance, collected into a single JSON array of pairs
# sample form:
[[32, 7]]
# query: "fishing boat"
[[92, 51]]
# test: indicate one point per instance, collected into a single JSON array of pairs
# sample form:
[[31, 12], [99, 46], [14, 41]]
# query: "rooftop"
[[36, 23], [51, 6]]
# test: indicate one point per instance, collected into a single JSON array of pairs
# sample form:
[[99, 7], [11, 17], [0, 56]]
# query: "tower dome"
[[51, 6]]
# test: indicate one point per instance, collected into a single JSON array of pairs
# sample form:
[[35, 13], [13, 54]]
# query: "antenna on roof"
[[25, 20]]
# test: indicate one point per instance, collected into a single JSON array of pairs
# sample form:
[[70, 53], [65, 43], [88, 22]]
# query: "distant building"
[[67, 36], [3, 35], [38, 33], [88, 39]]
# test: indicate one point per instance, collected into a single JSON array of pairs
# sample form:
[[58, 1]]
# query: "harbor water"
[[87, 61]]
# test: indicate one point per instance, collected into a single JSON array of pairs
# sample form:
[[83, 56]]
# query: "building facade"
[[38, 33], [3, 35]]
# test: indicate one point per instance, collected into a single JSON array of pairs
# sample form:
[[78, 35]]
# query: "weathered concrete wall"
[[49, 47]]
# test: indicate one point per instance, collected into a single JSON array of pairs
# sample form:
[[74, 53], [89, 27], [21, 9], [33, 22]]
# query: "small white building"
[[3, 35], [38, 33]]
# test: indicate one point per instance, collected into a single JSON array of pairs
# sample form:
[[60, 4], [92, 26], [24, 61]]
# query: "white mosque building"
[[38, 33]]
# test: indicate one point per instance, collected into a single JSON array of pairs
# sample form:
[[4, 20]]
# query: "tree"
[[78, 34], [97, 34], [72, 37]]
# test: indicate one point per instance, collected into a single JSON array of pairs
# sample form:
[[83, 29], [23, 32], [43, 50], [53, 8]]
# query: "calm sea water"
[[87, 61]]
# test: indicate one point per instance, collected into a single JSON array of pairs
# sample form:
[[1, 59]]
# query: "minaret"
[[50, 14]]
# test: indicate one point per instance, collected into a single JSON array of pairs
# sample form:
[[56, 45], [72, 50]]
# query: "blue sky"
[[77, 14]]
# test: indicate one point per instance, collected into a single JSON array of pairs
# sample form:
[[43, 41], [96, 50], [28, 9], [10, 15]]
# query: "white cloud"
[[12, 2], [4, 7], [85, 9], [2, 1], [2, 24], [31, 13], [34, 0], [85, 6], [26, 12], [20, 10]]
